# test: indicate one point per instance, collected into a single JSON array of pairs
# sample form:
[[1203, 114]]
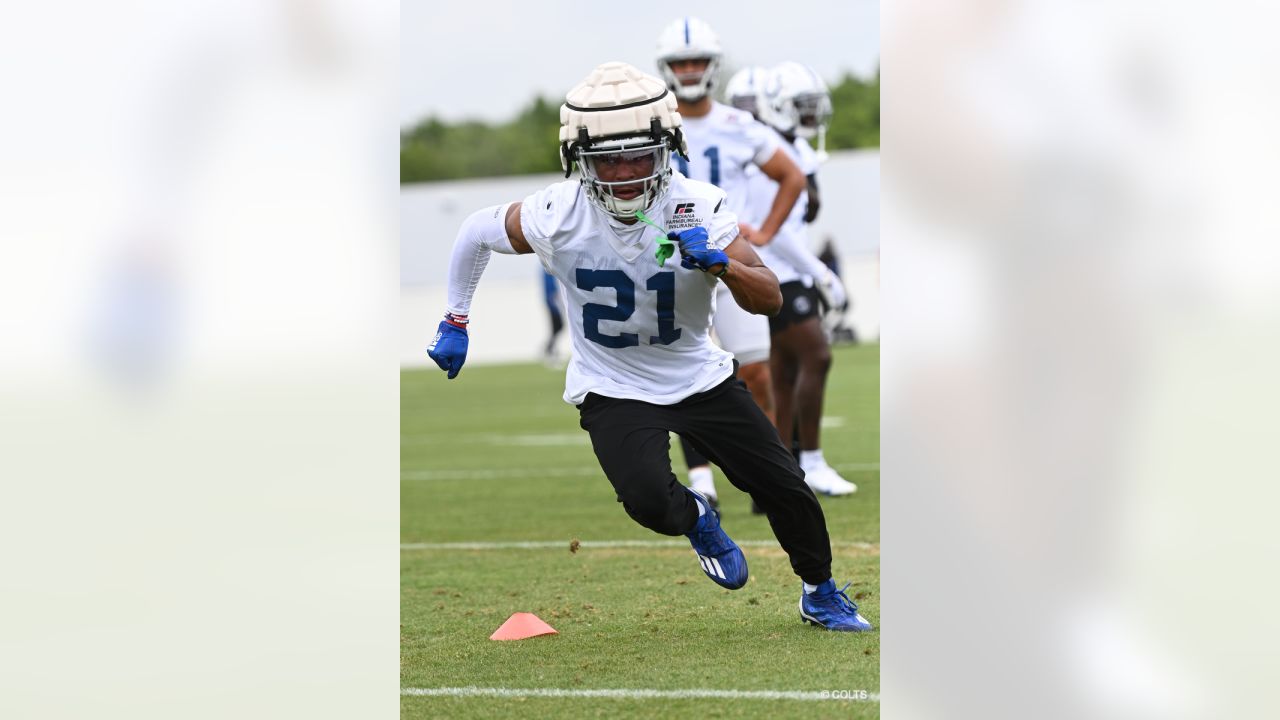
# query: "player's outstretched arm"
[[483, 233], [753, 285]]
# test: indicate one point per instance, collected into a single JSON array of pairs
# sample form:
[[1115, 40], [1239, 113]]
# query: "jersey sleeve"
[[763, 140], [722, 226], [540, 215]]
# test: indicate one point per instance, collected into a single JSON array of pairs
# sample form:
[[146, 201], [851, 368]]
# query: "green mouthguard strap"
[[666, 248]]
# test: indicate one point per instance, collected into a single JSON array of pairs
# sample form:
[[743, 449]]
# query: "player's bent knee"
[[661, 512], [662, 518], [820, 360]]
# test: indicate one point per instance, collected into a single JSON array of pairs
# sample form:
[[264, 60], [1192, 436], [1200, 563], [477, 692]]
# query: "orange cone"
[[521, 626]]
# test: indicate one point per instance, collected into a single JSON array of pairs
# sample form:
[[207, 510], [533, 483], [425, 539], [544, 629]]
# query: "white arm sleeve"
[[789, 247], [483, 232]]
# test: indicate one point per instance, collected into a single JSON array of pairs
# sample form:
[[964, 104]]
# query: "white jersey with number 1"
[[723, 144], [640, 331], [788, 254]]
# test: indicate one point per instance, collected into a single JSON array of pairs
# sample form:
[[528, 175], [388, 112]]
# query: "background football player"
[[800, 355], [723, 142]]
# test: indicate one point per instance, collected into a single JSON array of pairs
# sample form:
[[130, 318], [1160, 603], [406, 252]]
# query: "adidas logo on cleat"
[[711, 566]]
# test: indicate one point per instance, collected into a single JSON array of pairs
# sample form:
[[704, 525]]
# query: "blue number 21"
[[663, 283]]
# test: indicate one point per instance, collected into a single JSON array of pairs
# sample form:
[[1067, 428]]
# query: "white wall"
[[509, 319]]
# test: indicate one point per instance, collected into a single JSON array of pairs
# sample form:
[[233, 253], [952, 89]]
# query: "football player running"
[[723, 142], [643, 364], [800, 355]]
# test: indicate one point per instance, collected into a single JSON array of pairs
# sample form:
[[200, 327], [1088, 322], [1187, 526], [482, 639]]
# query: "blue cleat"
[[829, 608], [721, 558]]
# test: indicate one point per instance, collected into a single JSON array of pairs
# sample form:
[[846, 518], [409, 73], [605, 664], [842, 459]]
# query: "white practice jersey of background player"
[[636, 327], [788, 254], [724, 145]]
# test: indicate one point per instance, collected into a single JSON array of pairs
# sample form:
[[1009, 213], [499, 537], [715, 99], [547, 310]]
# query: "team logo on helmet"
[[796, 100]]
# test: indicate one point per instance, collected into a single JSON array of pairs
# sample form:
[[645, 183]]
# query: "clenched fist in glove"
[[449, 348], [696, 253], [831, 290]]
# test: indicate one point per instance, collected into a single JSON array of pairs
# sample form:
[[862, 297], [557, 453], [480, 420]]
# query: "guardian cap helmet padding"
[[619, 114]]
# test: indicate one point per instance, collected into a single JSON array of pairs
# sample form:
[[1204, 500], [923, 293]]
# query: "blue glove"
[[449, 348], [695, 253]]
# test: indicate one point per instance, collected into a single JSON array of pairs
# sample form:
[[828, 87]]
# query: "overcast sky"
[[487, 58]]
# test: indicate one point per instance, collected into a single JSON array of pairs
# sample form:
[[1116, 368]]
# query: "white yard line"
[[527, 440], [646, 694], [503, 473], [564, 545], [579, 471]]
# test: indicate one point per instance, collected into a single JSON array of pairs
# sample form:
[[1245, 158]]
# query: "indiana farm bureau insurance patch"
[[685, 214]]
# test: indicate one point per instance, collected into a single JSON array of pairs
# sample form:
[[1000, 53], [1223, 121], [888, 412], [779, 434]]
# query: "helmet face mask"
[[745, 89], [702, 81], [813, 113], [796, 101], [623, 175], [749, 103]]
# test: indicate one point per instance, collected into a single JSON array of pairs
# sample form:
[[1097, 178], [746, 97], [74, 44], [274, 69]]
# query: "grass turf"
[[495, 456]]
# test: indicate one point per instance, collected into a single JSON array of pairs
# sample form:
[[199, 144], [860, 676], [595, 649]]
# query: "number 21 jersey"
[[639, 331]]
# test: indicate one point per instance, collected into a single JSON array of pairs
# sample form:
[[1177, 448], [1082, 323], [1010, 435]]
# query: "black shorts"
[[799, 303]]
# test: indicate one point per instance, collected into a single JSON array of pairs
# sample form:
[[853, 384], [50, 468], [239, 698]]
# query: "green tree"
[[436, 150], [855, 113]]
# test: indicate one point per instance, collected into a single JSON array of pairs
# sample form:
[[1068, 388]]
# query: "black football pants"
[[631, 440]]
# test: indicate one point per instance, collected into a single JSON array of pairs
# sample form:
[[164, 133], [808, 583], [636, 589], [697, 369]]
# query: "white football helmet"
[[689, 39], [796, 102], [619, 115], [745, 90]]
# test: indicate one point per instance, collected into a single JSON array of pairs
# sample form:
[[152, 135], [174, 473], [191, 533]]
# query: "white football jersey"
[[723, 144], [640, 331], [788, 254], [806, 158]]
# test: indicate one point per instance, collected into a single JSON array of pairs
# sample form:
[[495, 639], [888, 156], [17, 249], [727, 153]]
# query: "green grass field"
[[496, 456]]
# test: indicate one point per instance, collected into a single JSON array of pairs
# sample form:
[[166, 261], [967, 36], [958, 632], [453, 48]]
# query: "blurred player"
[[723, 142], [550, 296], [745, 91], [643, 365], [800, 358]]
